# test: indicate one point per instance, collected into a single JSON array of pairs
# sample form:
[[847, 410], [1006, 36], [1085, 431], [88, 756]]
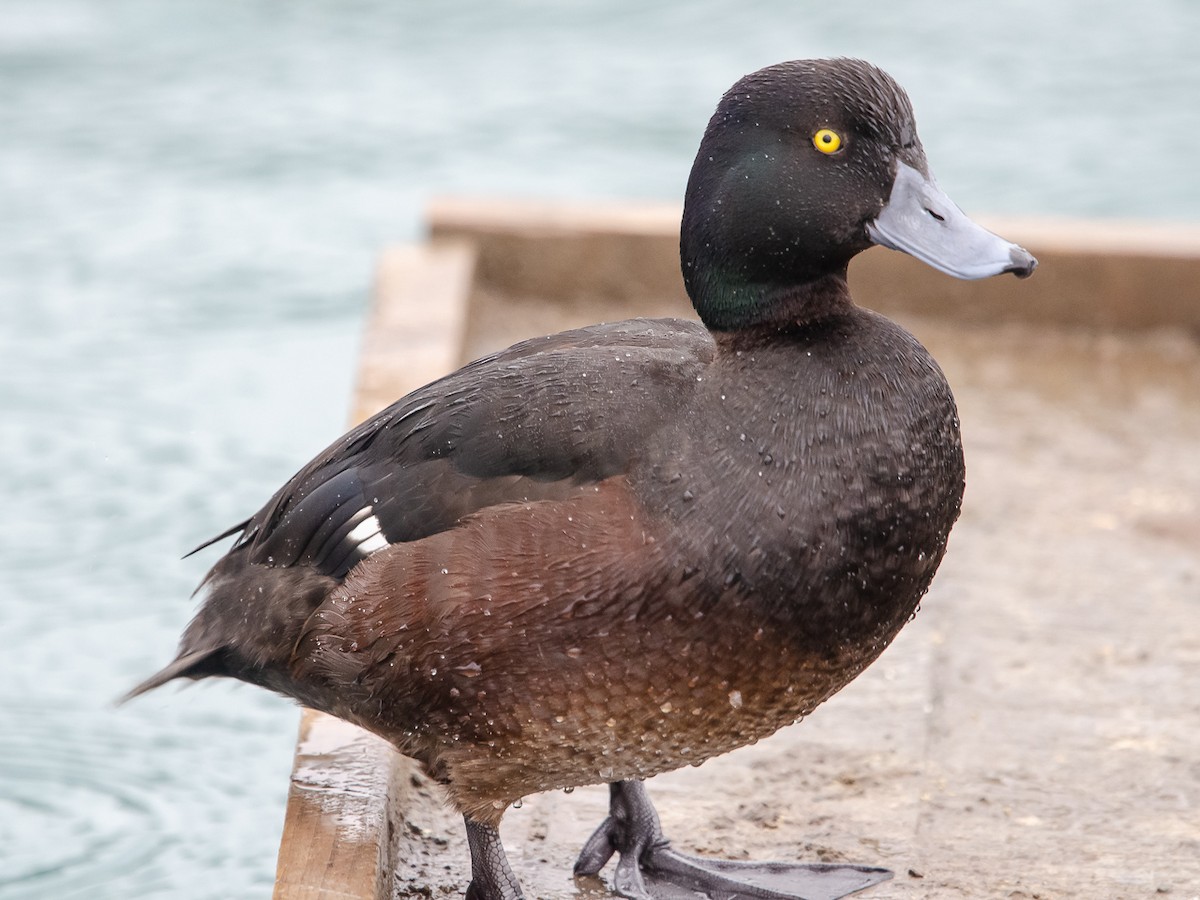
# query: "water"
[[192, 196]]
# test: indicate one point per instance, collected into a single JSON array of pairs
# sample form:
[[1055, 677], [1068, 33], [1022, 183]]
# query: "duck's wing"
[[535, 422]]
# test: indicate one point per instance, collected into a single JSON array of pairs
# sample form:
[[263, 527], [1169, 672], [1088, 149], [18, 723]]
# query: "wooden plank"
[[417, 322], [347, 786], [1091, 274], [336, 832], [1097, 275]]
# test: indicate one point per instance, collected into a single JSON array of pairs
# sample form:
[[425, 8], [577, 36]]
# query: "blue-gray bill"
[[921, 220]]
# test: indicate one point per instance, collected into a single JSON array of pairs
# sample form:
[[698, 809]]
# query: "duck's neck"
[[732, 306]]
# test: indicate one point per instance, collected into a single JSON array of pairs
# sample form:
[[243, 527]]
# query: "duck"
[[608, 553]]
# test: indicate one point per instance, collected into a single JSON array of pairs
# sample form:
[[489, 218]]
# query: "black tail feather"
[[196, 664], [233, 529]]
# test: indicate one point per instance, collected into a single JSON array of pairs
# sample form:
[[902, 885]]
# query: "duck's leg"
[[491, 877], [648, 869]]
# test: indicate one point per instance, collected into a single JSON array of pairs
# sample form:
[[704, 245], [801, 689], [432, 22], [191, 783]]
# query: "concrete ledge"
[[1027, 735], [1092, 274]]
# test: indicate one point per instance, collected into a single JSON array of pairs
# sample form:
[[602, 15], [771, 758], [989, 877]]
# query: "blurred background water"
[[192, 196]]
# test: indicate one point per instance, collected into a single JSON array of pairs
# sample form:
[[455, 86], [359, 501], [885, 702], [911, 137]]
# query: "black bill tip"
[[1021, 262]]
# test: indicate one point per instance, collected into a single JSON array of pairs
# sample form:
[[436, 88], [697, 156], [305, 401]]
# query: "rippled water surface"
[[191, 199]]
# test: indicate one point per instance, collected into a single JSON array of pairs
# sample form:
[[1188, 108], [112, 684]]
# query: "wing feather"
[[539, 421]]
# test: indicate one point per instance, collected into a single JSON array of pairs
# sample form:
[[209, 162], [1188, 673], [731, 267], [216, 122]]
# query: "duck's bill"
[[921, 220]]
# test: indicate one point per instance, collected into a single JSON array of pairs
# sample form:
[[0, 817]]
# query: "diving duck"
[[611, 552]]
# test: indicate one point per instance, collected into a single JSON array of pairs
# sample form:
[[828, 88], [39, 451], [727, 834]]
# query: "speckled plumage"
[[608, 553], [670, 612]]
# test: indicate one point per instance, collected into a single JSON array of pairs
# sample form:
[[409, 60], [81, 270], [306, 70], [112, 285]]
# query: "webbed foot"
[[648, 869], [491, 877]]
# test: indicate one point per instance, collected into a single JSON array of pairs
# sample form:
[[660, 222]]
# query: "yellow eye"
[[827, 141]]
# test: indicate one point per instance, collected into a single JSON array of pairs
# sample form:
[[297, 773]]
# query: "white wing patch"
[[367, 537]]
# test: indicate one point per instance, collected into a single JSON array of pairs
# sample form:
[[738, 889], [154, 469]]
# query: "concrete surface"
[[1035, 731]]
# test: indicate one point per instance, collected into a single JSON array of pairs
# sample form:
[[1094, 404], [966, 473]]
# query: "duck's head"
[[804, 164]]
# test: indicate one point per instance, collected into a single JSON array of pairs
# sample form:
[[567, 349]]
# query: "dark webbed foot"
[[491, 877], [648, 869]]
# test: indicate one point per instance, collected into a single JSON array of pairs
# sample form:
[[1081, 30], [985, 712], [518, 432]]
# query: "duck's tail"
[[196, 664], [247, 625]]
